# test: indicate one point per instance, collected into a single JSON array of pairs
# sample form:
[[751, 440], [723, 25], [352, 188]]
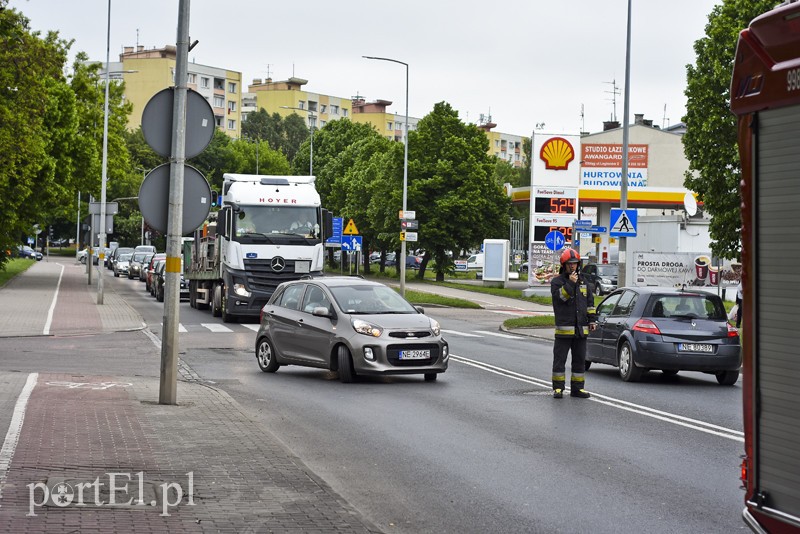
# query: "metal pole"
[[169, 339], [78, 228], [311, 150], [623, 197], [102, 244], [402, 259]]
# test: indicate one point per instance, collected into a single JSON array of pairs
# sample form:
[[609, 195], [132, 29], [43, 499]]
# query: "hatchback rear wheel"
[[727, 378], [265, 356], [627, 369]]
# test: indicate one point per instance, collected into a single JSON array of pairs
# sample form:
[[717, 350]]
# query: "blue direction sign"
[[351, 243], [554, 240], [337, 231], [583, 222], [623, 223]]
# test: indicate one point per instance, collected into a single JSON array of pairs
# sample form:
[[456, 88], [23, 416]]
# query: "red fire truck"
[[765, 96]]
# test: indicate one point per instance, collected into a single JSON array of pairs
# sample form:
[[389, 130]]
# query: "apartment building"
[[288, 96], [148, 71], [389, 125], [505, 146]]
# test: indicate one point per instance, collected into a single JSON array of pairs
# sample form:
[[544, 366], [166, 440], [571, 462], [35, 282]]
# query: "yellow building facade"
[[146, 72], [288, 96]]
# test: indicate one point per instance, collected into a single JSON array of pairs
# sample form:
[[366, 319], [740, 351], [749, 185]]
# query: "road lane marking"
[[181, 328], [680, 420], [498, 334], [457, 333], [253, 327], [49, 321], [14, 428]]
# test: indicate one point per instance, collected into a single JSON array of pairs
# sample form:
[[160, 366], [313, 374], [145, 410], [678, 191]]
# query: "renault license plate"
[[695, 347], [422, 354]]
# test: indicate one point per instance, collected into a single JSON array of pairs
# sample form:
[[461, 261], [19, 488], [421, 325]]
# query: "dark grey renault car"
[[349, 325], [645, 328]]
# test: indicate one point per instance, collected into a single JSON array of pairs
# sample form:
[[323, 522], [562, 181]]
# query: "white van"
[[475, 262]]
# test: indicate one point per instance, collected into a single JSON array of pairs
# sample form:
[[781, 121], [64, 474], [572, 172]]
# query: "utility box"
[[495, 258]]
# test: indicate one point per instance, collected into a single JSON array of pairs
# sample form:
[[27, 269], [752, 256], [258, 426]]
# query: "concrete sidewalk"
[[78, 442]]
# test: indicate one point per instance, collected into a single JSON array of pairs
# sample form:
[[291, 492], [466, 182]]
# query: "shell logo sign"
[[557, 153]]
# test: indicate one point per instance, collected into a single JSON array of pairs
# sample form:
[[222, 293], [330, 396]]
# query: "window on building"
[[301, 104], [192, 78], [219, 102], [389, 125], [219, 83], [322, 124], [312, 106], [334, 110], [323, 108], [231, 87], [231, 124], [204, 82], [231, 106], [344, 112], [218, 121]]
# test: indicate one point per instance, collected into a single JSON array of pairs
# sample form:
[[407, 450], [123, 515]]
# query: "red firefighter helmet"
[[570, 256]]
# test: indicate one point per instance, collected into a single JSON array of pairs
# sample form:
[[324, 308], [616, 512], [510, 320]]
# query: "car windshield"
[[607, 270], [369, 299], [124, 257], [140, 256], [692, 306]]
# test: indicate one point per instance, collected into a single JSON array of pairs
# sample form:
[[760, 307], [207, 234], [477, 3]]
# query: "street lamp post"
[[101, 256], [405, 175], [311, 126], [623, 196]]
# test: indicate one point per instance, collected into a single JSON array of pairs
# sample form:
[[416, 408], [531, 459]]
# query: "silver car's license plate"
[[415, 354], [695, 347]]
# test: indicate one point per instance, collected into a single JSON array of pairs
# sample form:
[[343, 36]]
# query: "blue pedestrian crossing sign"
[[623, 223], [554, 240]]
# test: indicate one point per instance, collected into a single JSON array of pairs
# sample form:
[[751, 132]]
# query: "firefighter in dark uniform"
[[573, 306]]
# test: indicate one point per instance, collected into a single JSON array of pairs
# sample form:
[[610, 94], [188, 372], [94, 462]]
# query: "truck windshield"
[[276, 221]]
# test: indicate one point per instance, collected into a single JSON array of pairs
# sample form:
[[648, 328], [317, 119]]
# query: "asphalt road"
[[483, 449]]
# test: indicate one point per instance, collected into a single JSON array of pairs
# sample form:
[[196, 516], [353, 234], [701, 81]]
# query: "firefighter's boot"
[[576, 390], [558, 386]]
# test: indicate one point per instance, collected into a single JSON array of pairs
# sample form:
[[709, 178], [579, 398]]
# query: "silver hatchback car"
[[349, 325]]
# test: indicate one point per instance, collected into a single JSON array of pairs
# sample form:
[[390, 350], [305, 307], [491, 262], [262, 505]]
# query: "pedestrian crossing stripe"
[[623, 222]]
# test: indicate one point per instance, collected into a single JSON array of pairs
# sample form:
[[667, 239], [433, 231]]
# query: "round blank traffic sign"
[[154, 199], [157, 122]]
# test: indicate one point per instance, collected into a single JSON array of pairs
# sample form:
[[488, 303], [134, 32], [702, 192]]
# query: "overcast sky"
[[523, 61]]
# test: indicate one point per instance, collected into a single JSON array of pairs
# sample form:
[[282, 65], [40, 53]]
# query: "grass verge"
[[422, 298], [537, 321], [13, 267]]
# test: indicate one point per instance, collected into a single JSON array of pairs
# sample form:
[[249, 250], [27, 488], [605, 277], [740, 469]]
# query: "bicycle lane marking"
[[14, 429], [49, 321]]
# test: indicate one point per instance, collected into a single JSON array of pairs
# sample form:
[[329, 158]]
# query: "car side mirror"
[[322, 311], [420, 309]]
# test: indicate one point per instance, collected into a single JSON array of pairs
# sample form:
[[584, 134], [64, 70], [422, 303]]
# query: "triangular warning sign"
[[350, 229]]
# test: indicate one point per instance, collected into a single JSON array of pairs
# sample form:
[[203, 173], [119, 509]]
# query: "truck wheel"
[[192, 295], [216, 301], [226, 317], [346, 372], [727, 378], [627, 369]]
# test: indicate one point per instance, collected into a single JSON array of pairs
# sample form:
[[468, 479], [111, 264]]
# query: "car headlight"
[[605, 280], [368, 329], [435, 327]]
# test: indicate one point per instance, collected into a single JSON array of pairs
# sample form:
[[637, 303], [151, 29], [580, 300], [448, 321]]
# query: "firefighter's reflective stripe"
[[565, 330], [565, 296], [559, 378], [591, 310], [577, 377]]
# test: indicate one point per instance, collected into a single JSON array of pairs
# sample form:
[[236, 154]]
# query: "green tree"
[[451, 187], [295, 132], [710, 140]]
